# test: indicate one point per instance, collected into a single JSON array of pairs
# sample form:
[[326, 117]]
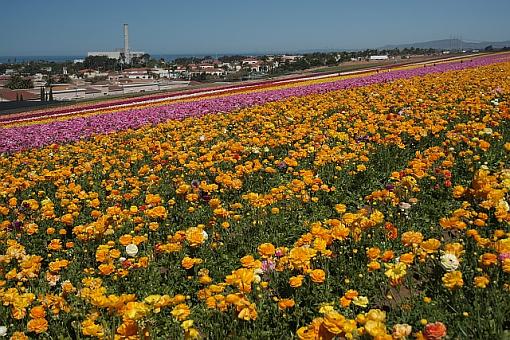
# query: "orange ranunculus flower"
[[434, 331], [249, 262], [373, 253], [158, 212], [296, 281], [37, 312], [285, 303], [188, 262], [345, 302], [195, 236], [128, 328], [373, 265], [67, 219], [431, 245], [488, 259], [55, 244], [388, 255], [300, 257], [266, 249], [407, 258], [351, 294], [106, 269], [318, 275], [37, 325], [481, 281], [125, 239], [412, 237], [18, 336]]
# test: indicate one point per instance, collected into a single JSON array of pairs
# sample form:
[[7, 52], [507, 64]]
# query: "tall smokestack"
[[126, 43], [126, 39]]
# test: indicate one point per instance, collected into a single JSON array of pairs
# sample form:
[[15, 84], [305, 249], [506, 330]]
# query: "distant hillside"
[[447, 44]]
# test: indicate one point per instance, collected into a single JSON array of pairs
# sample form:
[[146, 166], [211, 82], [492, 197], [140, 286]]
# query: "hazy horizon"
[[158, 27]]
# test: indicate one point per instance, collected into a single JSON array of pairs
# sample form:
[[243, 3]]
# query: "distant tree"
[[18, 82], [145, 58], [42, 94], [100, 62], [489, 48], [64, 79], [21, 97], [51, 94]]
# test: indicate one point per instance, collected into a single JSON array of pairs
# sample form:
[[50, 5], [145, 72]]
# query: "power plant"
[[122, 54]]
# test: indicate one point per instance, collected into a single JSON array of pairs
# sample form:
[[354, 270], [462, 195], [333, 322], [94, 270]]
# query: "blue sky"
[[68, 27]]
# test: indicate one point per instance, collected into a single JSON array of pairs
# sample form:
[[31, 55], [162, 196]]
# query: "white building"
[[378, 57]]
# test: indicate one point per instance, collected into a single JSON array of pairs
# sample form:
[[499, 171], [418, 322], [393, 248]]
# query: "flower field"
[[369, 206]]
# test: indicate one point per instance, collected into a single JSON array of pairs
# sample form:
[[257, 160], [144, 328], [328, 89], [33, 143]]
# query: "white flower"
[[202, 138], [3, 331], [205, 235], [449, 262], [131, 250], [122, 259], [404, 205]]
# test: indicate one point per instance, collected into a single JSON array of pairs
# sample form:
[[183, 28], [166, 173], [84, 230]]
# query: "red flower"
[[434, 331]]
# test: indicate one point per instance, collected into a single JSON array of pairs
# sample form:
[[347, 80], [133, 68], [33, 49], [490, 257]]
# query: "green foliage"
[[19, 82]]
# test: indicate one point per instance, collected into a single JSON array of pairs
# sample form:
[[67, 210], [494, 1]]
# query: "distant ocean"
[[64, 58]]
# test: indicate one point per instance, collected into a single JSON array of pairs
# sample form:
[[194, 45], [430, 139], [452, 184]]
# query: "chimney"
[[126, 43]]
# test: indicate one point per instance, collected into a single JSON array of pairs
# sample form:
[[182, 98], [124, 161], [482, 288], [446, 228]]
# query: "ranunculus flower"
[[318, 275], [434, 331], [400, 331], [361, 301], [131, 250], [37, 325], [449, 262], [296, 281]]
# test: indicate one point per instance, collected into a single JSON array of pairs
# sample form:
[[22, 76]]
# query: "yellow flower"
[[361, 301], [376, 315], [135, 310], [340, 208], [375, 328], [181, 312], [334, 322], [396, 271], [248, 313], [453, 279]]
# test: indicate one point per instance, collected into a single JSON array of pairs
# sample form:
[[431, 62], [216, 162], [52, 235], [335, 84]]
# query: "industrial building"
[[124, 54]]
